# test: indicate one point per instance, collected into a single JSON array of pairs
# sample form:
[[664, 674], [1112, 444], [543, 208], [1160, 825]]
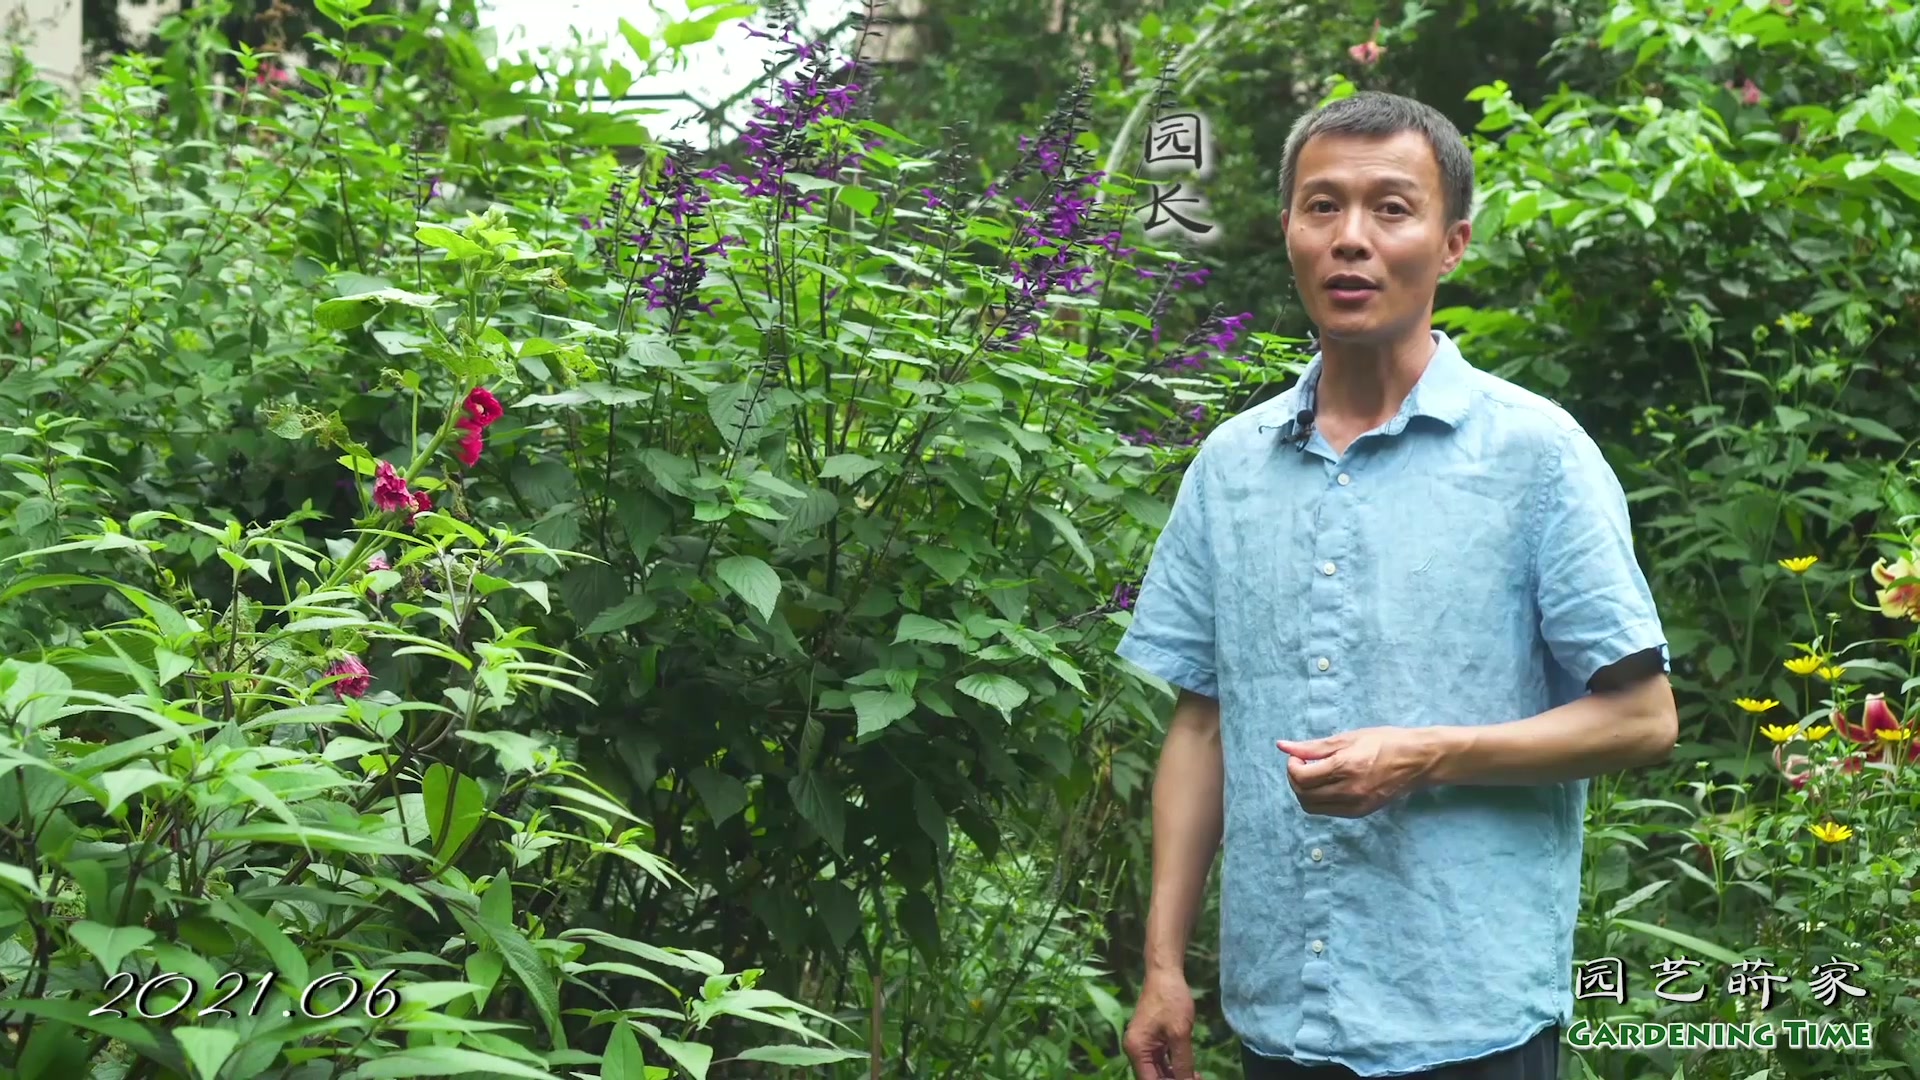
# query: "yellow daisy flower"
[[1832, 674], [1778, 732], [1803, 665], [1831, 833], [1753, 706], [1817, 732], [1799, 565], [1894, 734]]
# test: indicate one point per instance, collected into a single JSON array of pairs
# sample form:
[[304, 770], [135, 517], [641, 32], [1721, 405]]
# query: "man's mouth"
[[1350, 288]]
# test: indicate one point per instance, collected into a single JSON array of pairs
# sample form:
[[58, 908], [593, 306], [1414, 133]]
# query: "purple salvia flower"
[[1124, 595]]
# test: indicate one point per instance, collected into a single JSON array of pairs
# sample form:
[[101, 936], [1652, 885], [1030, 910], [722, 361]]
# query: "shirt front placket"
[[1327, 652]]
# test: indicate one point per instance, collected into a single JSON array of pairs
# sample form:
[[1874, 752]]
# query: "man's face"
[[1368, 235]]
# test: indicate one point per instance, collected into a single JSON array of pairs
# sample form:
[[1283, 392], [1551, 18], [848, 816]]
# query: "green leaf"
[[822, 807], [847, 467], [921, 628], [723, 795], [634, 609], [949, 564], [123, 784], [622, 1060], [752, 580], [860, 200], [109, 944], [445, 1061], [1704, 948], [996, 690], [693, 1057], [347, 312], [1068, 533], [526, 965], [513, 751], [445, 239], [455, 808], [876, 709], [311, 838], [797, 1055], [206, 1048], [640, 44], [286, 956]]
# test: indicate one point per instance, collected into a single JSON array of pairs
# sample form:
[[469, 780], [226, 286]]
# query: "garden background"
[[487, 591]]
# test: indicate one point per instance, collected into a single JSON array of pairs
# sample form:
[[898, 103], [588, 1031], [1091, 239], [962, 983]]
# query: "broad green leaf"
[[876, 709], [445, 239], [286, 956], [455, 808], [513, 751], [318, 840], [347, 312], [847, 467], [526, 964], [1068, 533], [693, 1057], [206, 1048], [445, 1061], [821, 805], [123, 784], [915, 627], [996, 690], [797, 1055], [752, 580], [1704, 948], [622, 1059], [109, 944], [636, 608]]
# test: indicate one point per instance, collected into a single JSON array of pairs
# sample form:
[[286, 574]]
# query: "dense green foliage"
[[740, 695]]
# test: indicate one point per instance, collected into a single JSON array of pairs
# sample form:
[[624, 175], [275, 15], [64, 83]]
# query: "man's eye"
[[1394, 208]]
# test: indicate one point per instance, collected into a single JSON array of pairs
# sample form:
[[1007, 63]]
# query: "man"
[[1400, 604]]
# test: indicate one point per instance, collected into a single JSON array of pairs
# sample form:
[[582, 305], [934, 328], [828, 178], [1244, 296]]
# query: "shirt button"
[[1327, 569], [1319, 946], [1345, 479], [1316, 855], [1323, 663]]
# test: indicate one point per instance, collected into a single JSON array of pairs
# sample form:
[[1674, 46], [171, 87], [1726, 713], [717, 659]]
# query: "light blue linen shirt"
[[1468, 562]]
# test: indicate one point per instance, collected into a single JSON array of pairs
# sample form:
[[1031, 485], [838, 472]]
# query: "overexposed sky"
[[712, 70]]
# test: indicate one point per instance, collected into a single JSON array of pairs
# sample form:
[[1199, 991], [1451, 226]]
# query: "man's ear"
[[1458, 234]]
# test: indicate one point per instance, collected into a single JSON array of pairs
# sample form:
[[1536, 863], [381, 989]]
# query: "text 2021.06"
[[154, 998]]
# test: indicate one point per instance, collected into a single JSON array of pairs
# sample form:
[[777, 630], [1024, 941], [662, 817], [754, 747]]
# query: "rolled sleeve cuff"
[[1631, 640], [1167, 667]]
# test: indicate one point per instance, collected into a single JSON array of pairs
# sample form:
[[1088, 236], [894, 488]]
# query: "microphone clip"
[[1302, 430]]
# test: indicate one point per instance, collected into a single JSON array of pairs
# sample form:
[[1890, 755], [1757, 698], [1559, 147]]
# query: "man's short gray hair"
[[1370, 114]]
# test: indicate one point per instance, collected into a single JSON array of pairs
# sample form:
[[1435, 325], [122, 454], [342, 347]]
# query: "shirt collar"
[[1443, 392]]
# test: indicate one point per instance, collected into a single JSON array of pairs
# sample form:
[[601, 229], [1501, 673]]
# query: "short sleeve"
[[1595, 607], [1172, 633]]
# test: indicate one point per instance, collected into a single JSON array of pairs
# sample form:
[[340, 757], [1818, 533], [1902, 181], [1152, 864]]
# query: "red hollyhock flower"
[[482, 406], [355, 680], [471, 442], [390, 489]]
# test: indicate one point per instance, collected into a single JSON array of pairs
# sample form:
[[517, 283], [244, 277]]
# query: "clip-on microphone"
[[1302, 430]]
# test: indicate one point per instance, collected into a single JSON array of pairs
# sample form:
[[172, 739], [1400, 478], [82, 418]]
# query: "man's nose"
[[1350, 236]]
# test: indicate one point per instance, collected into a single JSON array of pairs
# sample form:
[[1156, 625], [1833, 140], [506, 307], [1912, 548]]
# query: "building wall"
[[48, 31]]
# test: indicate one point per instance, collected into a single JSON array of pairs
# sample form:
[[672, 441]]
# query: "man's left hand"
[[1354, 773]]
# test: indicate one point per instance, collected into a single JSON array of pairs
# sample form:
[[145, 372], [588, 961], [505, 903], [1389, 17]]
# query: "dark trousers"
[[1536, 1059]]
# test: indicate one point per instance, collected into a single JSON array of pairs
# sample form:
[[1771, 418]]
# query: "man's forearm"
[[1188, 817], [1598, 734]]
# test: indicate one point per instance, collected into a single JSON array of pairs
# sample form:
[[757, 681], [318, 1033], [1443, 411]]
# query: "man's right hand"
[[1159, 1041]]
